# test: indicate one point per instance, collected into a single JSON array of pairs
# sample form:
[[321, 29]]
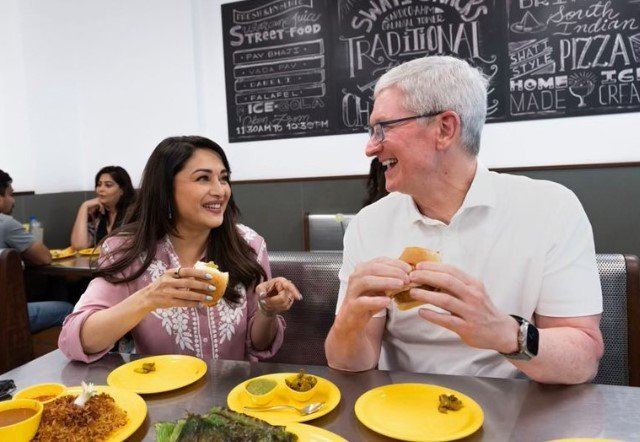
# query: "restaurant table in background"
[[63, 280], [514, 409], [74, 266]]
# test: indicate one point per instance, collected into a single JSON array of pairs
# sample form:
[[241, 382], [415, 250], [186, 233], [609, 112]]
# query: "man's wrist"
[[347, 322], [528, 340], [509, 342]]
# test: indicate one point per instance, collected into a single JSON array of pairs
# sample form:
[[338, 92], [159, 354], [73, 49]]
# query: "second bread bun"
[[412, 256], [219, 280]]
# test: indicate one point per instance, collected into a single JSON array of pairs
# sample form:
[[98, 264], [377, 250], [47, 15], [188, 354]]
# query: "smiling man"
[[517, 290]]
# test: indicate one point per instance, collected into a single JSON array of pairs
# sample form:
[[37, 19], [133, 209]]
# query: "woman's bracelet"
[[262, 308]]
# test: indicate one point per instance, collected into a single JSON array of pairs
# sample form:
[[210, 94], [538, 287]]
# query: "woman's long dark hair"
[[122, 178], [152, 216], [376, 183]]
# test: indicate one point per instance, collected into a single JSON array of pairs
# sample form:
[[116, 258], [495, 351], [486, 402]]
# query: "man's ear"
[[448, 129]]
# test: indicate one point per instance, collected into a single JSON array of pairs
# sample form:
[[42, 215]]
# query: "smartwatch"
[[528, 338]]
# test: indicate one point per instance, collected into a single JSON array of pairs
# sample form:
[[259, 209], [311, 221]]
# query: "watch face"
[[532, 340], [528, 337]]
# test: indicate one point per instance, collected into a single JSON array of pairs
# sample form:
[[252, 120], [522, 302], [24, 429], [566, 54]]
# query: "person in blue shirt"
[[43, 314]]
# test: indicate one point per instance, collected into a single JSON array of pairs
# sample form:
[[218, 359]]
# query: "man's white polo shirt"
[[528, 241]]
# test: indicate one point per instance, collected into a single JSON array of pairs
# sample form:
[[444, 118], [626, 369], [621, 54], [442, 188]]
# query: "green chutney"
[[261, 386]]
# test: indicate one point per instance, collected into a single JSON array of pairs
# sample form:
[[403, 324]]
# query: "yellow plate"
[[62, 253], [309, 433], [326, 392], [585, 439], [172, 372], [89, 251], [410, 412], [131, 403]]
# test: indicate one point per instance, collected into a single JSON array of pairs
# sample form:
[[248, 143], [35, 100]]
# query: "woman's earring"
[[169, 211]]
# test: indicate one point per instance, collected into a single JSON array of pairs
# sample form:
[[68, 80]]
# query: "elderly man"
[[518, 289], [41, 314]]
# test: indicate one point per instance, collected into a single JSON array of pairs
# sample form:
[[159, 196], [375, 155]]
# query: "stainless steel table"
[[515, 409]]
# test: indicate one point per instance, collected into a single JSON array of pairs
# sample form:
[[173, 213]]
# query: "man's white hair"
[[440, 83]]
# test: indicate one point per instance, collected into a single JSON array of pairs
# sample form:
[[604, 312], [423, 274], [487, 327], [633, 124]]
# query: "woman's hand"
[[274, 296], [173, 289], [277, 295], [176, 289], [93, 207], [87, 215]]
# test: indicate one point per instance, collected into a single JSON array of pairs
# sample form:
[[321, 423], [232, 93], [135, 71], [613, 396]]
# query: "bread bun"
[[219, 280], [412, 256]]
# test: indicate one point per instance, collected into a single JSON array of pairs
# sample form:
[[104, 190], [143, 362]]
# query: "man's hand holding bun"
[[412, 256], [355, 336], [463, 306]]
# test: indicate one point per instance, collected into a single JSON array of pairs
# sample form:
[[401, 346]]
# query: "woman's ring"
[[176, 275]]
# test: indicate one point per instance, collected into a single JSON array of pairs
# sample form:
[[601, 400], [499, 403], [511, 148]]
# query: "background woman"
[[98, 216], [185, 213], [376, 185]]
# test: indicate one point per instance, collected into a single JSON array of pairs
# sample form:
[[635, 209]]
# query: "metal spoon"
[[308, 409]]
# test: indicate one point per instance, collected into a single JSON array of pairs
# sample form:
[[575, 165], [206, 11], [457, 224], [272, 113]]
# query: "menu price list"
[[276, 69]]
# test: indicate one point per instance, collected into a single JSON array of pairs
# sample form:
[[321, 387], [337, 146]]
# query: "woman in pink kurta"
[[147, 275]]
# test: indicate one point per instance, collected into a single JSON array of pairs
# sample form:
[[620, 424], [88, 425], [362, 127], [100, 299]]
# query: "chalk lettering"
[[527, 4], [600, 17], [619, 94], [540, 83], [537, 102], [596, 51], [355, 111], [457, 38], [260, 108], [469, 10]]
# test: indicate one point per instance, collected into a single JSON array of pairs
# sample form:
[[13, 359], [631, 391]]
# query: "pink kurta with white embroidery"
[[219, 332]]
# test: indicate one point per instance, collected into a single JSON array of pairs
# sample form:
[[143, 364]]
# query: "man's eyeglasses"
[[377, 130]]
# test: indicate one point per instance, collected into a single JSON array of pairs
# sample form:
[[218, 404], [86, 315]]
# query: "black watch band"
[[528, 338]]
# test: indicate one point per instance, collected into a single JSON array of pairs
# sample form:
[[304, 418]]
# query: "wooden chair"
[[15, 339], [17, 344]]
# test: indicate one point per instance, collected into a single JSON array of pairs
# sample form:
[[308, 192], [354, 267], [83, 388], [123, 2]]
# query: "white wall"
[[86, 83], [14, 143], [104, 82]]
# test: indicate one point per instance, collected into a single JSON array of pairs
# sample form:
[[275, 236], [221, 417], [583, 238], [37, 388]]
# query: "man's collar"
[[481, 193]]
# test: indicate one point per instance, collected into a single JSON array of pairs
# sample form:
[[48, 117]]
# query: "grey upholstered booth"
[[619, 276], [308, 322], [324, 231], [316, 275]]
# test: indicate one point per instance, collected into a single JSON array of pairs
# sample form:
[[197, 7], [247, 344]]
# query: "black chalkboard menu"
[[276, 69], [373, 37], [571, 58], [308, 67]]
